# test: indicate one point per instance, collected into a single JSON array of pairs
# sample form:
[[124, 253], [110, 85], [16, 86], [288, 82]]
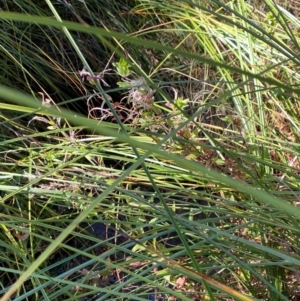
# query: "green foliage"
[[123, 68], [172, 174]]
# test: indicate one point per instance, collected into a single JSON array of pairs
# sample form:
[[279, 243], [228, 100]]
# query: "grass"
[[149, 150]]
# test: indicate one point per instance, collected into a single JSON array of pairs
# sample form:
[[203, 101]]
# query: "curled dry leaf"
[[180, 282]]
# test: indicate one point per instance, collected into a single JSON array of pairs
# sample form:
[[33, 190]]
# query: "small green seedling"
[[123, 67]]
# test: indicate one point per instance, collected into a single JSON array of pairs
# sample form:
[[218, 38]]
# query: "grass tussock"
[[149, 150]]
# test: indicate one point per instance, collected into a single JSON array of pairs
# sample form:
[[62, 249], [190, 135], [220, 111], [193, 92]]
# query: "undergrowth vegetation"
[[149, 150]]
